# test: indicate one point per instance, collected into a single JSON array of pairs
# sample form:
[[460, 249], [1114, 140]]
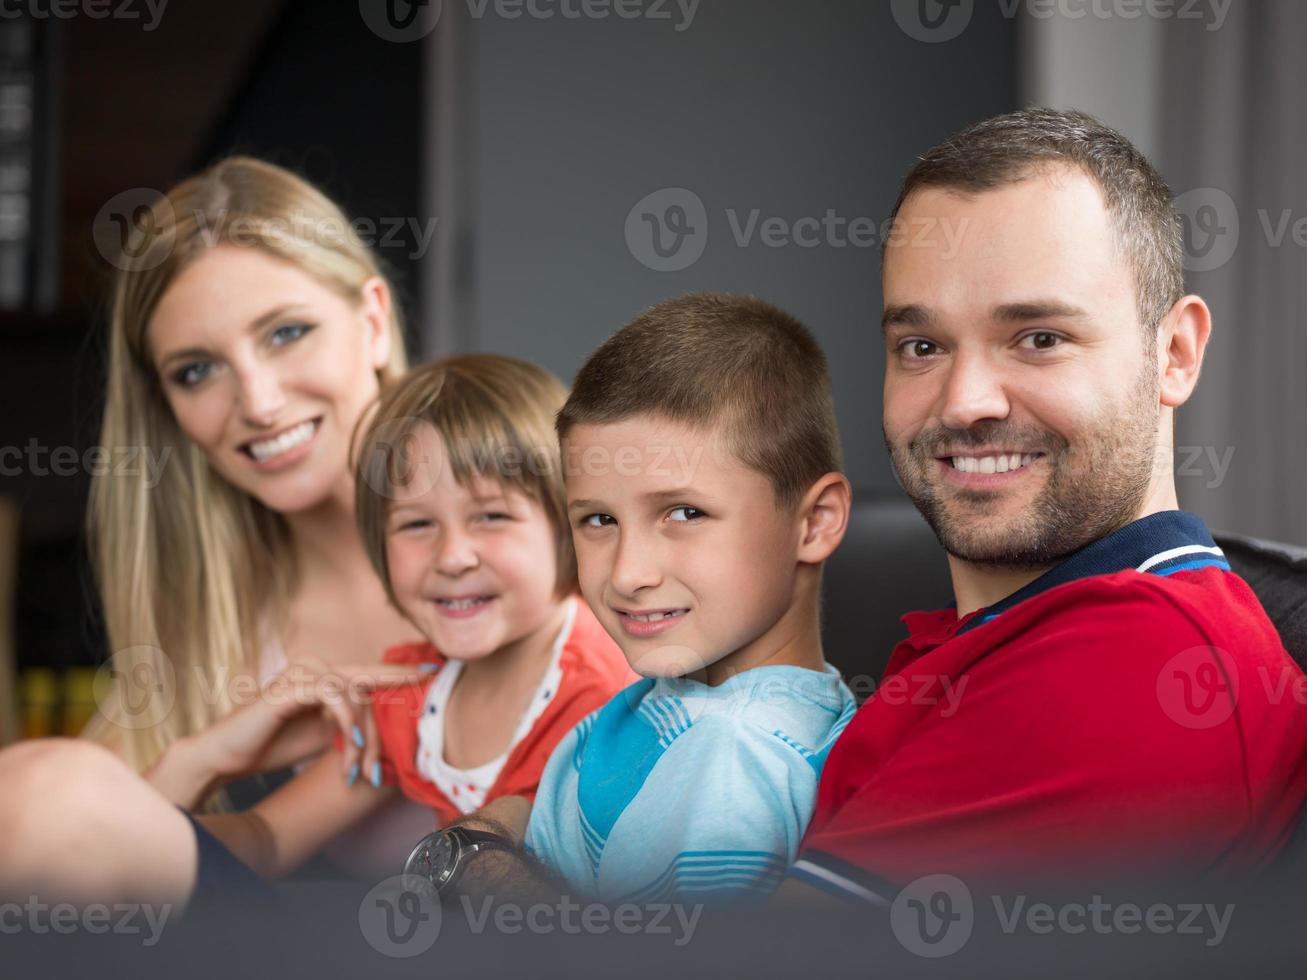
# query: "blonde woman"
[[250, 330]]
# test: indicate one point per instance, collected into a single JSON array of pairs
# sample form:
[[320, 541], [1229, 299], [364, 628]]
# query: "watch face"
[[432, 859]]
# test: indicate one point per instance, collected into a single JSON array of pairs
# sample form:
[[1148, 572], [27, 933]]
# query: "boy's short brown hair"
[[710, 359], [495, 417]]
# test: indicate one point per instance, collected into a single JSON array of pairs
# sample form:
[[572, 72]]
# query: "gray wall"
[[547, 132]]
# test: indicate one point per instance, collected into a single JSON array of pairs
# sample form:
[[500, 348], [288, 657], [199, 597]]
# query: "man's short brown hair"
[[495, 417], [710, 359], [1009, 148]]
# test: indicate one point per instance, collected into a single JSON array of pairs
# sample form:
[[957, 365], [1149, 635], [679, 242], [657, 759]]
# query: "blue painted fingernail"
[[428, 668], [376, 774], [358, 737], [353, 774]]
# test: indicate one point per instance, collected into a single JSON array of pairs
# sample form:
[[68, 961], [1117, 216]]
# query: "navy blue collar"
[[1159, 544]]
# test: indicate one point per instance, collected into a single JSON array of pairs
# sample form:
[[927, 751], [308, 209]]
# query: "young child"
[[460, 501], [703, 485]]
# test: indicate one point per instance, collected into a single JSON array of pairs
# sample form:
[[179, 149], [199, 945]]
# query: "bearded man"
[[1123, 706]]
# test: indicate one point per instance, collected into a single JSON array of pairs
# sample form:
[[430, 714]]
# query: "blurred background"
[[502, 157]]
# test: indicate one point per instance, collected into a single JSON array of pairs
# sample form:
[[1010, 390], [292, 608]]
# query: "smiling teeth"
[[654, 617], [993, 464], [288, 440], [463, 603]]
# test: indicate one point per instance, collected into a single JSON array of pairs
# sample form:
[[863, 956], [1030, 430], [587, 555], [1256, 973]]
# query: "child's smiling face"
[[683, 553], [474, 567]]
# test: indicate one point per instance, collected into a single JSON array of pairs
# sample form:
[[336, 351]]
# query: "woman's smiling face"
[[267, 371]]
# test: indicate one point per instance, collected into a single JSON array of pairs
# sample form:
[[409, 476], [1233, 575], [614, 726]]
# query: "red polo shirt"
[[1130, 713]]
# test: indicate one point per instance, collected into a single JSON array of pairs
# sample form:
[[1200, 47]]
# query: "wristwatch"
[[440, 858]]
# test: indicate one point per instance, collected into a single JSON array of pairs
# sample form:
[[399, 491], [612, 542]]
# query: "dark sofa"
[[890, 563]]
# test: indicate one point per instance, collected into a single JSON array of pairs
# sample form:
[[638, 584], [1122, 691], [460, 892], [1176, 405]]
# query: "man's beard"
[[1093, 487]]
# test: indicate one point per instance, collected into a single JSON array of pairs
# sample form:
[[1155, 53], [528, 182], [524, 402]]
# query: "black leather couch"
[[890, 563]]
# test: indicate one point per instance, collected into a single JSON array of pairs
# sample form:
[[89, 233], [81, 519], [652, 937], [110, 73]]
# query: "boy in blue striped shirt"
[[702, 462]]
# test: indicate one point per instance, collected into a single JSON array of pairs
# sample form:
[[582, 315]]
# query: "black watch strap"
[[441, 857], [477, 840]]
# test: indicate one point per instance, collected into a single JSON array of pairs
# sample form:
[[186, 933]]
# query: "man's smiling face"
[[1021, 390]]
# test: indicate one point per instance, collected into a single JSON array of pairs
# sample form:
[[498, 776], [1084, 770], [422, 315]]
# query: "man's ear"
[[824, 517], [375, 310], [1182, 339]]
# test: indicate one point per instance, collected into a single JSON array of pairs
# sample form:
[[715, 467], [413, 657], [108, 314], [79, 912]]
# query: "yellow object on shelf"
[[79, 699], [40, 707]]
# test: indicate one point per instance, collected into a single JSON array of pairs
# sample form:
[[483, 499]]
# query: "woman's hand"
[[293, 715]]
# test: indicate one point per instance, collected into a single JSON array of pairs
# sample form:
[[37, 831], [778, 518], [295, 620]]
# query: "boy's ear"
[[824, 516]]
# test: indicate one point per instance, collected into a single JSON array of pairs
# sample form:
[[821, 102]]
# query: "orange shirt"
[[593, 670]]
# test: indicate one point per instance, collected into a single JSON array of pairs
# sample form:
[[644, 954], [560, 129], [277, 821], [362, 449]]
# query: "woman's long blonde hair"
[[192, 572]]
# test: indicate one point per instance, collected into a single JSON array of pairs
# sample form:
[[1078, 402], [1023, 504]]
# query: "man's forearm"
[[503, 875]]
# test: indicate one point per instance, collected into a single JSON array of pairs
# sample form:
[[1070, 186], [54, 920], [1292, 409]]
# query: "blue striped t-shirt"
[[678, 789]]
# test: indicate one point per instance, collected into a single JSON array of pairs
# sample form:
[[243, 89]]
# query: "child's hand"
[[297, 711]]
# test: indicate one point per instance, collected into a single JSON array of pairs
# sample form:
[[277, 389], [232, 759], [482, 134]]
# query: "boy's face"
[[474, 568], [682, 551]]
